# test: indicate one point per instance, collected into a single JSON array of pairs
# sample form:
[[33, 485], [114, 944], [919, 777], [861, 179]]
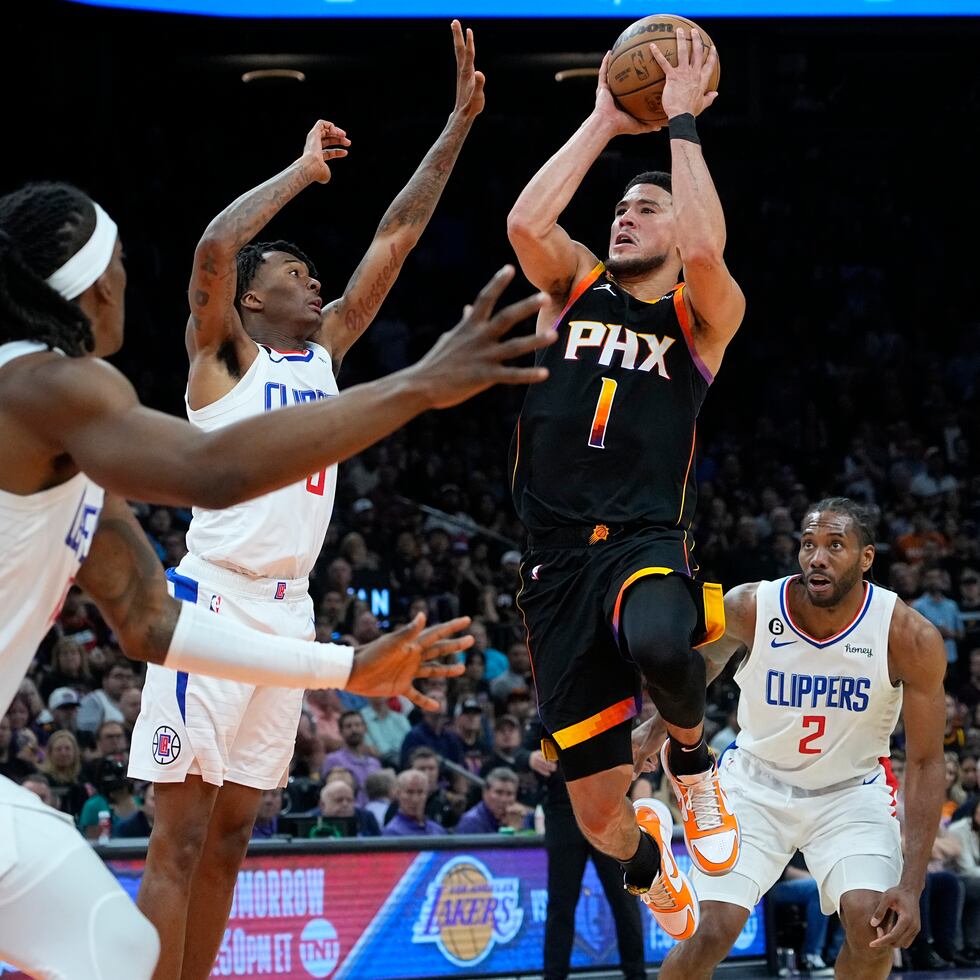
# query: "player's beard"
[[634, 267], [845, 583]]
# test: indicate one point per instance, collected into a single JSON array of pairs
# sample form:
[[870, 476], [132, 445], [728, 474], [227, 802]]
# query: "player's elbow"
[[520, 227], [215, 250]]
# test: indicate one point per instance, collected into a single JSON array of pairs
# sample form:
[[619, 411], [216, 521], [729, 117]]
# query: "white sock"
[[204, 643]]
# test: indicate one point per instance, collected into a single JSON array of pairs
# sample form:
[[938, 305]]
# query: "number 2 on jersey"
[[809, 721], [597, 440]]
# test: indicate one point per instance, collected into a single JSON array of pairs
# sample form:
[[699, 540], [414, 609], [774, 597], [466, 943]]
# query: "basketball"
[[635, 79]]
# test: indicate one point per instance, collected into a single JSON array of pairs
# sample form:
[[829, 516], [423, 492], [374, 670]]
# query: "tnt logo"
[[280, 590], [319, 947], [467, 911], [166, 745]]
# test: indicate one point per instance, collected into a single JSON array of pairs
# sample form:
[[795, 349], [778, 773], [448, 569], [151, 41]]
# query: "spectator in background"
[[913, 546], [726, 735], [439, 805], [19, 714], [141, 822], [267, 819], [969, 690], [102, 704], [966, 832], [953, 737], [63, 767], [955, 794], [129, 705], [340, 817], [520, 705], [507, 751], [495, 661], [325, 709], [68, 668], [308, 755], [410, 820], [385, 730], [508, 583], [798, 887], [354, 755], [969, 603], [432, 733], [380, 789], [468, 725], [38, 784], [498, 808], [517, 676], [63, 705], [943, 613], [114, 793], [11, 765], [112, 742], [473, 683]]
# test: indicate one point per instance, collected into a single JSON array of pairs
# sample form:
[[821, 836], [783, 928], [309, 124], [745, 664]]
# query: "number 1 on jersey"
[[604, 406]]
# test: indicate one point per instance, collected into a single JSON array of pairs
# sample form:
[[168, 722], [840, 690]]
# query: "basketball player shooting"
[[603, 480], [71, 425], [832, 660], [259, 337]]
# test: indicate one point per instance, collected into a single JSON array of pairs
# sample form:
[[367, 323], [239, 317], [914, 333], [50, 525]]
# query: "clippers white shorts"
[[219, 729], [63, 916], [848, 834]]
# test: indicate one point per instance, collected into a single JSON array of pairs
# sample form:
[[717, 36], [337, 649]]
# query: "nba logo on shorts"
[[280, 590], [215, 604], [166, 745]]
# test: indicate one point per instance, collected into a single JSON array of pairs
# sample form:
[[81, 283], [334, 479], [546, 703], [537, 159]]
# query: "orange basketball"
[[635, 78]]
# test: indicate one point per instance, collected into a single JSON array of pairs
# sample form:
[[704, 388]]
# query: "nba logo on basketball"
[[166, 745], [280, 590], [467, 911]]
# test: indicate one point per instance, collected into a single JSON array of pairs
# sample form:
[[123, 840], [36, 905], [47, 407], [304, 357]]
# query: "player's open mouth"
[[624, 240], [317, 305], [818, 583]]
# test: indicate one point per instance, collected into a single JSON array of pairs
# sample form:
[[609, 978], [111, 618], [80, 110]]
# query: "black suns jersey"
[[609, 437]]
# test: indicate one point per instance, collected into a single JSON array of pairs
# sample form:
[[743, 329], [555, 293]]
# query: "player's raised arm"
[[125, 580], [346, 318], [917, 659], [211, 292], [549, 257], [86, 408], [711, 293]]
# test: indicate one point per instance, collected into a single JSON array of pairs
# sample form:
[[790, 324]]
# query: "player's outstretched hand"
[[387, 666], [686, 86], [896, 918], [619, 122], [324, 142], [647, 740], [472, 356], [469, 82]]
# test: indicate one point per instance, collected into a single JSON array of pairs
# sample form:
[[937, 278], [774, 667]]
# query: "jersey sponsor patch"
[[166, 745]]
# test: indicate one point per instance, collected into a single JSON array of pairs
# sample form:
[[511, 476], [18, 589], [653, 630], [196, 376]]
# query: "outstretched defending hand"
[[387, 666], [470, 357], [686, 87], [324, 142], [469, 83], [609, 114]]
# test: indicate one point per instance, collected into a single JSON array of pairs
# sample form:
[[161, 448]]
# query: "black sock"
[[643, 866], [687, 760]]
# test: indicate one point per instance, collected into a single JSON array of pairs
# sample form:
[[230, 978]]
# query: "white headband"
[[89, 262]]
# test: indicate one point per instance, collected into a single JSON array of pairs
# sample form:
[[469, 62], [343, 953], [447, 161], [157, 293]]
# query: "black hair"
[[42, 225], [658, 178], [252, 256], [861, 517], [348, 714]]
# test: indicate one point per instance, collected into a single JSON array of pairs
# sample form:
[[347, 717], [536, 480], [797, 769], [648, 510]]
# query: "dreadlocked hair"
[[862, 517], [252, 256], [42, 225]]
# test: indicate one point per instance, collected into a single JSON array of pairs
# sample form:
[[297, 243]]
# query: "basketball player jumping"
[[603, 480], [831, 660], [259, 337], [70, 425]]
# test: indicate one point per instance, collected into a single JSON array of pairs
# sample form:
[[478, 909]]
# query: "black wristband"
[[682, 128]]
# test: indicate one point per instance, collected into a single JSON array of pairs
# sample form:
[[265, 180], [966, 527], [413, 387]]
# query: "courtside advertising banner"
[[393, 915]]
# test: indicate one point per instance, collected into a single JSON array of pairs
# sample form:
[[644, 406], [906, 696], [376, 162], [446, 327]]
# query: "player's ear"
[[251, 302], [867, 557]]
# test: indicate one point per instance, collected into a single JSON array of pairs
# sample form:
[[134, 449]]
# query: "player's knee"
[[176, 852], [232, 843]]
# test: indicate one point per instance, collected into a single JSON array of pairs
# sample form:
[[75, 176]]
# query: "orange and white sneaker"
[[671, 897], [710, 827]]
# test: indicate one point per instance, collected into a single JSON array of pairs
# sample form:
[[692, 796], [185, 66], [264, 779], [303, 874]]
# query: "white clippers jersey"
[[45, 537], [278, 535], [817, 712]]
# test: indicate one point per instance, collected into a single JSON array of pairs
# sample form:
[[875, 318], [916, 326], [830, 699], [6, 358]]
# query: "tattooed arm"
[[346, 318], [214, 321]]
